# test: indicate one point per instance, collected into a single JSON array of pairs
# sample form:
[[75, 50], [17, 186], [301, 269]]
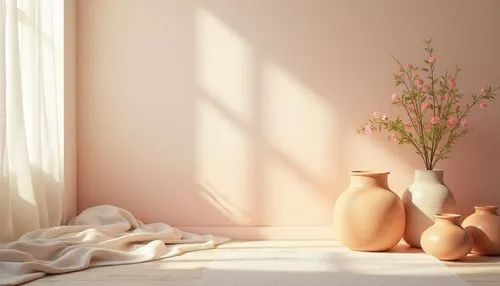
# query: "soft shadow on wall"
[[247, 113], [349, 74]]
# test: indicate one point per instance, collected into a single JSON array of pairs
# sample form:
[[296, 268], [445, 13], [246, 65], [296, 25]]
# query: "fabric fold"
[[100, 236]]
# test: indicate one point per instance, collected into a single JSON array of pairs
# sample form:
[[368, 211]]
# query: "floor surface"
[[190, 269]]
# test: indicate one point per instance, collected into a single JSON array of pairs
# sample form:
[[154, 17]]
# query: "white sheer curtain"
[[31, 116]]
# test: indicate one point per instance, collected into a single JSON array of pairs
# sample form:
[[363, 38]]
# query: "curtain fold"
[[31, 82]]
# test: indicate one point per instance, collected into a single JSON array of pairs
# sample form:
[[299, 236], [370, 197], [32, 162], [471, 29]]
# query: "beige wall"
[[242, 113]]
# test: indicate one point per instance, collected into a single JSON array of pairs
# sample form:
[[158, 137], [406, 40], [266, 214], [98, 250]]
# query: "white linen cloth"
[[99, 236]]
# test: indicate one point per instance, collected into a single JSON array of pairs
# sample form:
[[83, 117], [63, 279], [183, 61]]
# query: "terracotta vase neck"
[[429, 175], [447, 219], [370, 179], [486, 209]]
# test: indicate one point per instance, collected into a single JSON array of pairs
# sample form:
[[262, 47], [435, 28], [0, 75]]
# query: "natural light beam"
[[223, 146], [298, 122], [223, 162], [224, 65]]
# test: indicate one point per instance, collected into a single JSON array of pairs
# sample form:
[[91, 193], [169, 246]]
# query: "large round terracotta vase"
[[369, 216], [484, 227], [427, 196]]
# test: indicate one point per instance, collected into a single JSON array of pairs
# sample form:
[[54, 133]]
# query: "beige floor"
[[188, 269]]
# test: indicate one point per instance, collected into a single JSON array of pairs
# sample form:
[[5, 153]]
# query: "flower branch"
[[434, 110]]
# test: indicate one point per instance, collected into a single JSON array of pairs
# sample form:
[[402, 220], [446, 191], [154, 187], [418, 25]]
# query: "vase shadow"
[[479, 259], [403, 247]]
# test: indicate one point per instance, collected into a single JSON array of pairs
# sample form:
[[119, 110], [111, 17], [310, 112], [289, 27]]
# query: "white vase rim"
[[430, 171]]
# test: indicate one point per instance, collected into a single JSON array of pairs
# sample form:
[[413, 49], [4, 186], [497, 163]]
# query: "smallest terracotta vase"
[[484, 227], [446, 239]]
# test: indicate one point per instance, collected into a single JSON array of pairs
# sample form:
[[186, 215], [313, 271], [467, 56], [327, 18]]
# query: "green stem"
[[417, 112], [452, 135], [433, 94], [442, 126]]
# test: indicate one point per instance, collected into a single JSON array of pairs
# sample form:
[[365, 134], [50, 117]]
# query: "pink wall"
[[243, 113], [70, 206]]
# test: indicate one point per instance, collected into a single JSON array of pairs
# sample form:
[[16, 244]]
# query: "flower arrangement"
[[437, 112]]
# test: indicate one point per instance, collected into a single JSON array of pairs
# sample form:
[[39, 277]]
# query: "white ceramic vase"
[[427, 196]]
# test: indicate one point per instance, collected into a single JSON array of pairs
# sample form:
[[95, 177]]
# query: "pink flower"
[[428, 126], [432, 60], [376, 114], [424, 106], [442, 97], [408, 126], [368, 128], [464, 123], [394, 137], [425, 88], [453, 82], [435, 120], [409, 66], [452, 121], [483, 105], [394, 97], [419, 82]]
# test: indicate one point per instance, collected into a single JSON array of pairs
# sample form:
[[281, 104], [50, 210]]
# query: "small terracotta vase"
[[446, 239], [427, 195], [368, 216], [484, 227]]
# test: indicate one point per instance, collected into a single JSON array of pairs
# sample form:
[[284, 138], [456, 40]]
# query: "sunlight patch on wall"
[[223, 161], [224, 64], [287, 194], [297, 121], [224, 73]]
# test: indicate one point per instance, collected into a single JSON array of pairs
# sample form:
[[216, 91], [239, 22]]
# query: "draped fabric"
[[103, 235], [31, 116]]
